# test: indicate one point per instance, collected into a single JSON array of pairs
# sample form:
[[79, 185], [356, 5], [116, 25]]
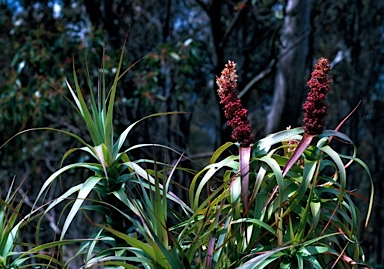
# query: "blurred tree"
[[244, 31], [290, 77]]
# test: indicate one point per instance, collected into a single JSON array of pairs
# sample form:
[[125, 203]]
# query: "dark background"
[[182, 45]]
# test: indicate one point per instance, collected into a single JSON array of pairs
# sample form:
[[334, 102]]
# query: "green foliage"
[[305, 219], [9, 227], [110, 178], [115, 181], [11, 224], [281, 202]]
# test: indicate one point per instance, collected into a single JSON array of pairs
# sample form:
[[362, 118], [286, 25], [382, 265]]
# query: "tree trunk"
[[290, 77]]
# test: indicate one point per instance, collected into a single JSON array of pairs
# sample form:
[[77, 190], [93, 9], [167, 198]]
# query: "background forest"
[[177, 47]]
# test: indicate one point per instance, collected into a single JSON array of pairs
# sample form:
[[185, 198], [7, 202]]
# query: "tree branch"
[[50, 217], [260, 76], [232, 25]]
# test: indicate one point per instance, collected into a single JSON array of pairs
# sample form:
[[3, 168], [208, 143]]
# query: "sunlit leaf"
[[85, 189]]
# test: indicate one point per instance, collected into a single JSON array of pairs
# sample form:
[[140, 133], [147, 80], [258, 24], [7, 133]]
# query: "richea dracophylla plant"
[[273, 204], [279, 206], [132, 197]]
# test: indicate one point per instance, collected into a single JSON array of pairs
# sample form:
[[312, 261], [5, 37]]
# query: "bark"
[[289, 89]]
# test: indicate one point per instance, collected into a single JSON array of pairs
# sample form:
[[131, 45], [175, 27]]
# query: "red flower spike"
[[236, 115], [315, 107]]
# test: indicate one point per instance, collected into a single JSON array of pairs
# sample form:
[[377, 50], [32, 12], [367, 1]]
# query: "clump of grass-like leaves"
[[9, 227], [12, 250], [280, 201], [304, 219], [133, 199], [283, 200]]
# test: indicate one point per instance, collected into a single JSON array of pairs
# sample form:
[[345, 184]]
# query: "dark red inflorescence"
[[315, 107], [236, 115]]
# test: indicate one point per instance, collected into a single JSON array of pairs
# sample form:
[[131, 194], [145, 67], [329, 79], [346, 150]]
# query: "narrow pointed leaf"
[[120, 141], [86, 188], [303, 145], [278, 137], [54, 176], [96, 135]]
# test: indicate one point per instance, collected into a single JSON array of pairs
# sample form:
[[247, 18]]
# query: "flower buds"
[[236, 115], [315, 107]]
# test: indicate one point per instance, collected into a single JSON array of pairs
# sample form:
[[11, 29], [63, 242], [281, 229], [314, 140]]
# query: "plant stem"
[[245, 155]]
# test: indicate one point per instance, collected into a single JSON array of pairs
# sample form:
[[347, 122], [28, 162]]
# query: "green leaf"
[[315, 210], [303, 145], [257, 222], [263, 260], [308, 177], [332, 133], [104, 157], [340, 167], [120, 141], [82, 106], [135, 243], [37, 253], [92, 243], [235, 191], [360, 162], [278, 175], [77, 101], [56, 202], [53, 177], [109, 120], [86, 188], [47, 129], [211, 169], [219, 151], [272, 139], [300, 261]]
